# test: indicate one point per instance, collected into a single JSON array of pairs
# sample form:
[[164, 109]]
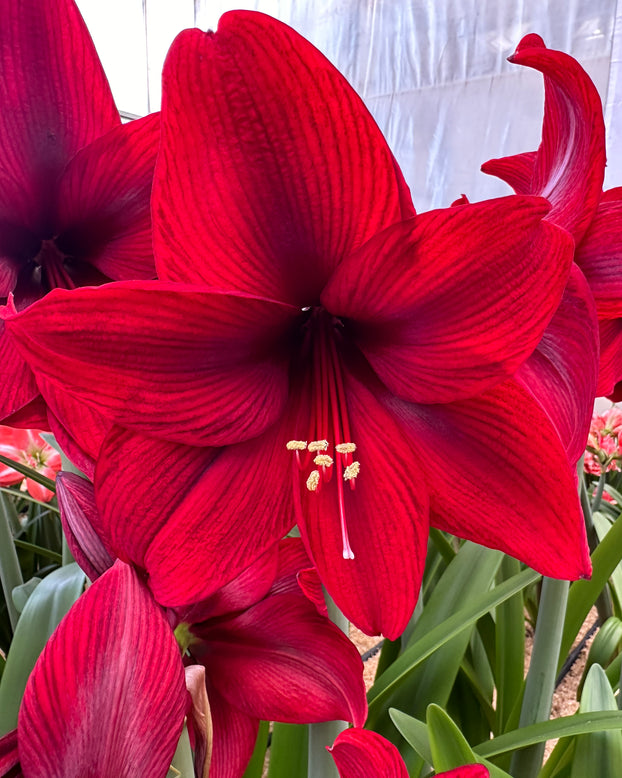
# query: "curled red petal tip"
[[530, 41]]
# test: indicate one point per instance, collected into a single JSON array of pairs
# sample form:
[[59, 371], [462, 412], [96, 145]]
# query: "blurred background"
[[432, 72]]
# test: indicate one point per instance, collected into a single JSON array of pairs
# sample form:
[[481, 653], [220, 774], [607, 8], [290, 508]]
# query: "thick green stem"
[[598, 492], [321, 764], [10, 571], [540, 682], [603, 604]]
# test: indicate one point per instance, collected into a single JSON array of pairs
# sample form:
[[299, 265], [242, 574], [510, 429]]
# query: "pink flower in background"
[[603, 446], [29, 448]]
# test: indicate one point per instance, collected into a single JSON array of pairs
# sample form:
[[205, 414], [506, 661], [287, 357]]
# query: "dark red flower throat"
[[327, 445]]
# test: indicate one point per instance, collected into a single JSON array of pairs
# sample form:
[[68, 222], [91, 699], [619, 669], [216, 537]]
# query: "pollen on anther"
[[351, 471], [313, 481], [345, 448], [296, 445], [318, 445], [323, 460]]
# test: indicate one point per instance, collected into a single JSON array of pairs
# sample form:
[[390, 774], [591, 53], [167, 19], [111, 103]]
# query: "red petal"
[[235, 734], [599, 255], [271, 169], [563, 371], [361, 753], [452, 302], [104, 201], [54, 99], [82, 525], [281, 661], [9, 756], [386, 517], [517, 171], [33, 415], [172, 361], [511, 485], [107, 695], [18, 388], [610, 369], [570, 164], [234, 512]]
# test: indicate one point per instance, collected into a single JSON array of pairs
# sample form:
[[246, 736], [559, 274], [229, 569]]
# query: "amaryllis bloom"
[[603, 451], [361, 753], [75, 183], [268, 652], [107, 696], [314, 352], [28, 448], [568, 169]]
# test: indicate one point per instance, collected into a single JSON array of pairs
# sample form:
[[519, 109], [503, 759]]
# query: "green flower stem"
[[598, 492], [540, 681], [10, 571], [321, 764], [603, 604]]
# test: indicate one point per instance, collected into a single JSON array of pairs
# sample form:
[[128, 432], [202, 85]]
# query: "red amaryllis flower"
[[337, 354], [568, 169], [75, 184], [268, 653], [107, 696], [29, 448], [360, 753]]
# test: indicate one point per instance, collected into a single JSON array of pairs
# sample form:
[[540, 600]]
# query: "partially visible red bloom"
[[568, 169], [75, 183], [268, 652], [361, 753], [28, 448]]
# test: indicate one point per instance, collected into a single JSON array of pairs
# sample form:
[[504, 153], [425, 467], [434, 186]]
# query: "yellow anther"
[[313, 481], [296, 445], [351, 471], [323, 460], [318, 445], [345, 448]]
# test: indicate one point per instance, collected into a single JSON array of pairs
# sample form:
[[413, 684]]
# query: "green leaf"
[[583, 594], [441, 634], [254, 768], [45, 608], [289, 751], [29, 472], [40, 550], [448, 745], [566, 726], [22, 593], [599, 753], [510, 647]]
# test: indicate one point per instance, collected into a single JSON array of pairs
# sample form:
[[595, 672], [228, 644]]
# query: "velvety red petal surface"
[[361, 753], [193, 366], [386, 516], [234, 738], [82, 524], [271, 170], [281, 661], [104, 201], [511, 486], [563, 371], [107, 695], [18, 388], [599, 255], [452, 302], [33, 415], [610, 369], [54, 99], [88, 425], [570, 164], [236, 510], [9, 756], [517, 170]]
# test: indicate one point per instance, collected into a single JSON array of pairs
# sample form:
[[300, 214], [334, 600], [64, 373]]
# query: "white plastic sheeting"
[[433, 72]]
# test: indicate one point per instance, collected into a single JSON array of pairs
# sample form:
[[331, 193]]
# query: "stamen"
[[296, 445], [313, 481], [318, 445], [323, 460], [351, 471], [345, 448]]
